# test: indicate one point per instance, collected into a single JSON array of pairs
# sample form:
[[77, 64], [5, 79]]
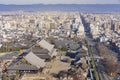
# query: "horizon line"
[[64, 4]]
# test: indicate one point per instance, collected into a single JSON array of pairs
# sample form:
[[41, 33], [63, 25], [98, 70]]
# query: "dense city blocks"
[[59, 45]]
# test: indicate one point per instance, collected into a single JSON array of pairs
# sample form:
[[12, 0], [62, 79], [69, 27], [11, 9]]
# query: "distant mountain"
[[94, 8]]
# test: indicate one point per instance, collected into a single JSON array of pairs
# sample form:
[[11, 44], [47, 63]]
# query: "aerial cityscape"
[[60, 40]]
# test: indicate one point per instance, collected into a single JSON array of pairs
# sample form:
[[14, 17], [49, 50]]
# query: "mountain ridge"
[[62, 7]]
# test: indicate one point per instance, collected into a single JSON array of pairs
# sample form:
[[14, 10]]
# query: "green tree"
[[17, 73], [5, 77], [64, 48]]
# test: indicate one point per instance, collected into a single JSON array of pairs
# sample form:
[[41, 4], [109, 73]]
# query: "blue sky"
[[60, 1]]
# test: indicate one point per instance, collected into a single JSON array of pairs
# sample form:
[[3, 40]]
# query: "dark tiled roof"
[[60, 42], [22, 67], [34, 62], [46, 56], [9, 56], [74, 46], [40, 51]]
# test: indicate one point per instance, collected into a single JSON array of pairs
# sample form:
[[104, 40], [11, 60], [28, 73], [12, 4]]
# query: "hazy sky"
[[60, 1]]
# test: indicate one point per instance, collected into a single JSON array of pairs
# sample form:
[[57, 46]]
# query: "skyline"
[[22, 2]]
